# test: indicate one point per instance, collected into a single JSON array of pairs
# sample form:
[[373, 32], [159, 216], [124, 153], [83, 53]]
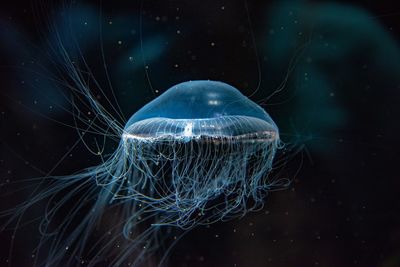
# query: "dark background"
[[329, 75]]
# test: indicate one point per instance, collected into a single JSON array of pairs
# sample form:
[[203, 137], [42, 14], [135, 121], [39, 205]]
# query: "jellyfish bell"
[[201, 108], [200, 142]]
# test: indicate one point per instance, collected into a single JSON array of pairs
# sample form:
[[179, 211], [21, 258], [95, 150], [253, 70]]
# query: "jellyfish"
[[199, 153]]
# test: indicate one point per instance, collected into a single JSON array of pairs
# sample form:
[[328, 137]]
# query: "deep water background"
[[329, 75]]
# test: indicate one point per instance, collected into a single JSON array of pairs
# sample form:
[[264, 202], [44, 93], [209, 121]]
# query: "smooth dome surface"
[[200, 108]]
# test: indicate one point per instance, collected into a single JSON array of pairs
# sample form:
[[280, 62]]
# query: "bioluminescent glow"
[[194, 155]]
